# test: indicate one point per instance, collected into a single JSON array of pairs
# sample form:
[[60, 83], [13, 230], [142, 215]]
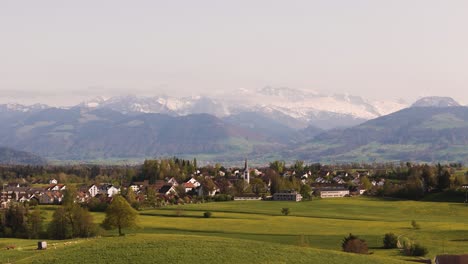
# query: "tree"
[[354, 244], [258, 186], [60, 227], [278, 166], [444, 180], [366, 183], [285, 211], [306, 191], [120, 215], [390, 241], [35, 224]]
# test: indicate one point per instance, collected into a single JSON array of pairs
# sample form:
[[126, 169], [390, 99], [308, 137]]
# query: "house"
[[194, 182], [451, 259], [109, 189], [56, 187], [341, 174], [93, 190], [172, 181], [135, 188], [333, 192], [289, 195], [50, 197], [167, 190], [339, 180], [53, 181]]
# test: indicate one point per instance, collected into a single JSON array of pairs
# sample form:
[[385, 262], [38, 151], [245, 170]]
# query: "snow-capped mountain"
[[296, 108], [13, 107], [308, 106], [435, 101]]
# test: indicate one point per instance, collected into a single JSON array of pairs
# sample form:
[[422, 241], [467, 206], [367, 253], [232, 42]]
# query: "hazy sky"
[[61, 51]]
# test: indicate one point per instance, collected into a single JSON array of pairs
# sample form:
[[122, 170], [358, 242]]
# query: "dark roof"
[[452, 259], [165, 189]]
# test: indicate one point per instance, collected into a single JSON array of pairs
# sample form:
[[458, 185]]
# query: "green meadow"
[[256, 232]]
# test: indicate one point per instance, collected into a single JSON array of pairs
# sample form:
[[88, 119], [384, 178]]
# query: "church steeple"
[[246, 172]]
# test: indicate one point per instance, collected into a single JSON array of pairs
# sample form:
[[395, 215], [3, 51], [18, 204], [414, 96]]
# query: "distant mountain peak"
[[436, 101]]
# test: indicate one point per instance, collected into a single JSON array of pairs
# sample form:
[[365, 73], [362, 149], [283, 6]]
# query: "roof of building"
[[452, 259], [164, 189]]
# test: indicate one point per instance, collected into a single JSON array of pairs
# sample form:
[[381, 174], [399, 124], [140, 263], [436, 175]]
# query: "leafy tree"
[[278, 166], [241, 187], [366, 183], [390, 241], [276, 181], [298, 167], [285, 211], [414, 249], [35, 224], [60, 227], [258, 186], [354, 244], [306, 191], [13, 221], [415, 225], [120, 215], [207, 214], [70, 221], [444, 180]]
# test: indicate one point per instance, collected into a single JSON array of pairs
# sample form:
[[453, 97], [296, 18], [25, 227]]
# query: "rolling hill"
[[10, 156], [417, 133], [82, 134]]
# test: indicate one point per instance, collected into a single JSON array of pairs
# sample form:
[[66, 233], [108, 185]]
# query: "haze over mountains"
[[268, 123]]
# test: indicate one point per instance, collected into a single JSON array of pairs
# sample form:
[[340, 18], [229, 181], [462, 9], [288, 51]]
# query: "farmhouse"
[[290, 195]]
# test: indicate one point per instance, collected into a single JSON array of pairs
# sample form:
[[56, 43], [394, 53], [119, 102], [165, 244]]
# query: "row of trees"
[[70, 220]]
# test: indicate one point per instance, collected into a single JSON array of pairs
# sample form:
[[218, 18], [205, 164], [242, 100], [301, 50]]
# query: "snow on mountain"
[[308, 104], [435, 101], [13, 107], [295, 106], [303, 105]]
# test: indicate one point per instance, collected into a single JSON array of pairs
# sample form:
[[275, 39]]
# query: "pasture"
[[256, 232]]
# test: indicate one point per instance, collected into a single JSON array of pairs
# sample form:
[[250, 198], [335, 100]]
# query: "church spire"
[[246, 172]]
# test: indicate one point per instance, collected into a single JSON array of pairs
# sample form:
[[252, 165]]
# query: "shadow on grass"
[[268, 214]]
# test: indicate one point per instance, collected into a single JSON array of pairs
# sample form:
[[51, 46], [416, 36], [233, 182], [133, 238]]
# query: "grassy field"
[[256, 232]]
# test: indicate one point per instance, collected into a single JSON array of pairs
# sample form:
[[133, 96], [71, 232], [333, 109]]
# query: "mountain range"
[[266, 124]]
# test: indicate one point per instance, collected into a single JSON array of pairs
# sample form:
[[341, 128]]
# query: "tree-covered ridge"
[[424, 134], [11, 156]]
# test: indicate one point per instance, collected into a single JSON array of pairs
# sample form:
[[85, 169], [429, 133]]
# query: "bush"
[[415, 249], [207, 214], [390, 241], [285, 211], [354, 244], [415, 225], [222, 198]]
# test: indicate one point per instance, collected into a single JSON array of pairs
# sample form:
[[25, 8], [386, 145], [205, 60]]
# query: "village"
[[243, 184]]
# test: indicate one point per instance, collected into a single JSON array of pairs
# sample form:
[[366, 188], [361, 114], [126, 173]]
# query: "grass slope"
[[256, 232], [155, 248]]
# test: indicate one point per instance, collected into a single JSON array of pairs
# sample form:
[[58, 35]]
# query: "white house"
[[93, 190], [135, 188], [172, 181], [111, 191], [331, 193], [53, 181], [194, 182], [167, 190]]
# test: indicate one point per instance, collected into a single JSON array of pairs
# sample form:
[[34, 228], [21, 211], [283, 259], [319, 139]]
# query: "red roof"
[[189, 185]]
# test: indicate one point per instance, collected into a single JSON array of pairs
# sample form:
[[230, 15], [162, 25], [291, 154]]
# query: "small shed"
[[41, 245]]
